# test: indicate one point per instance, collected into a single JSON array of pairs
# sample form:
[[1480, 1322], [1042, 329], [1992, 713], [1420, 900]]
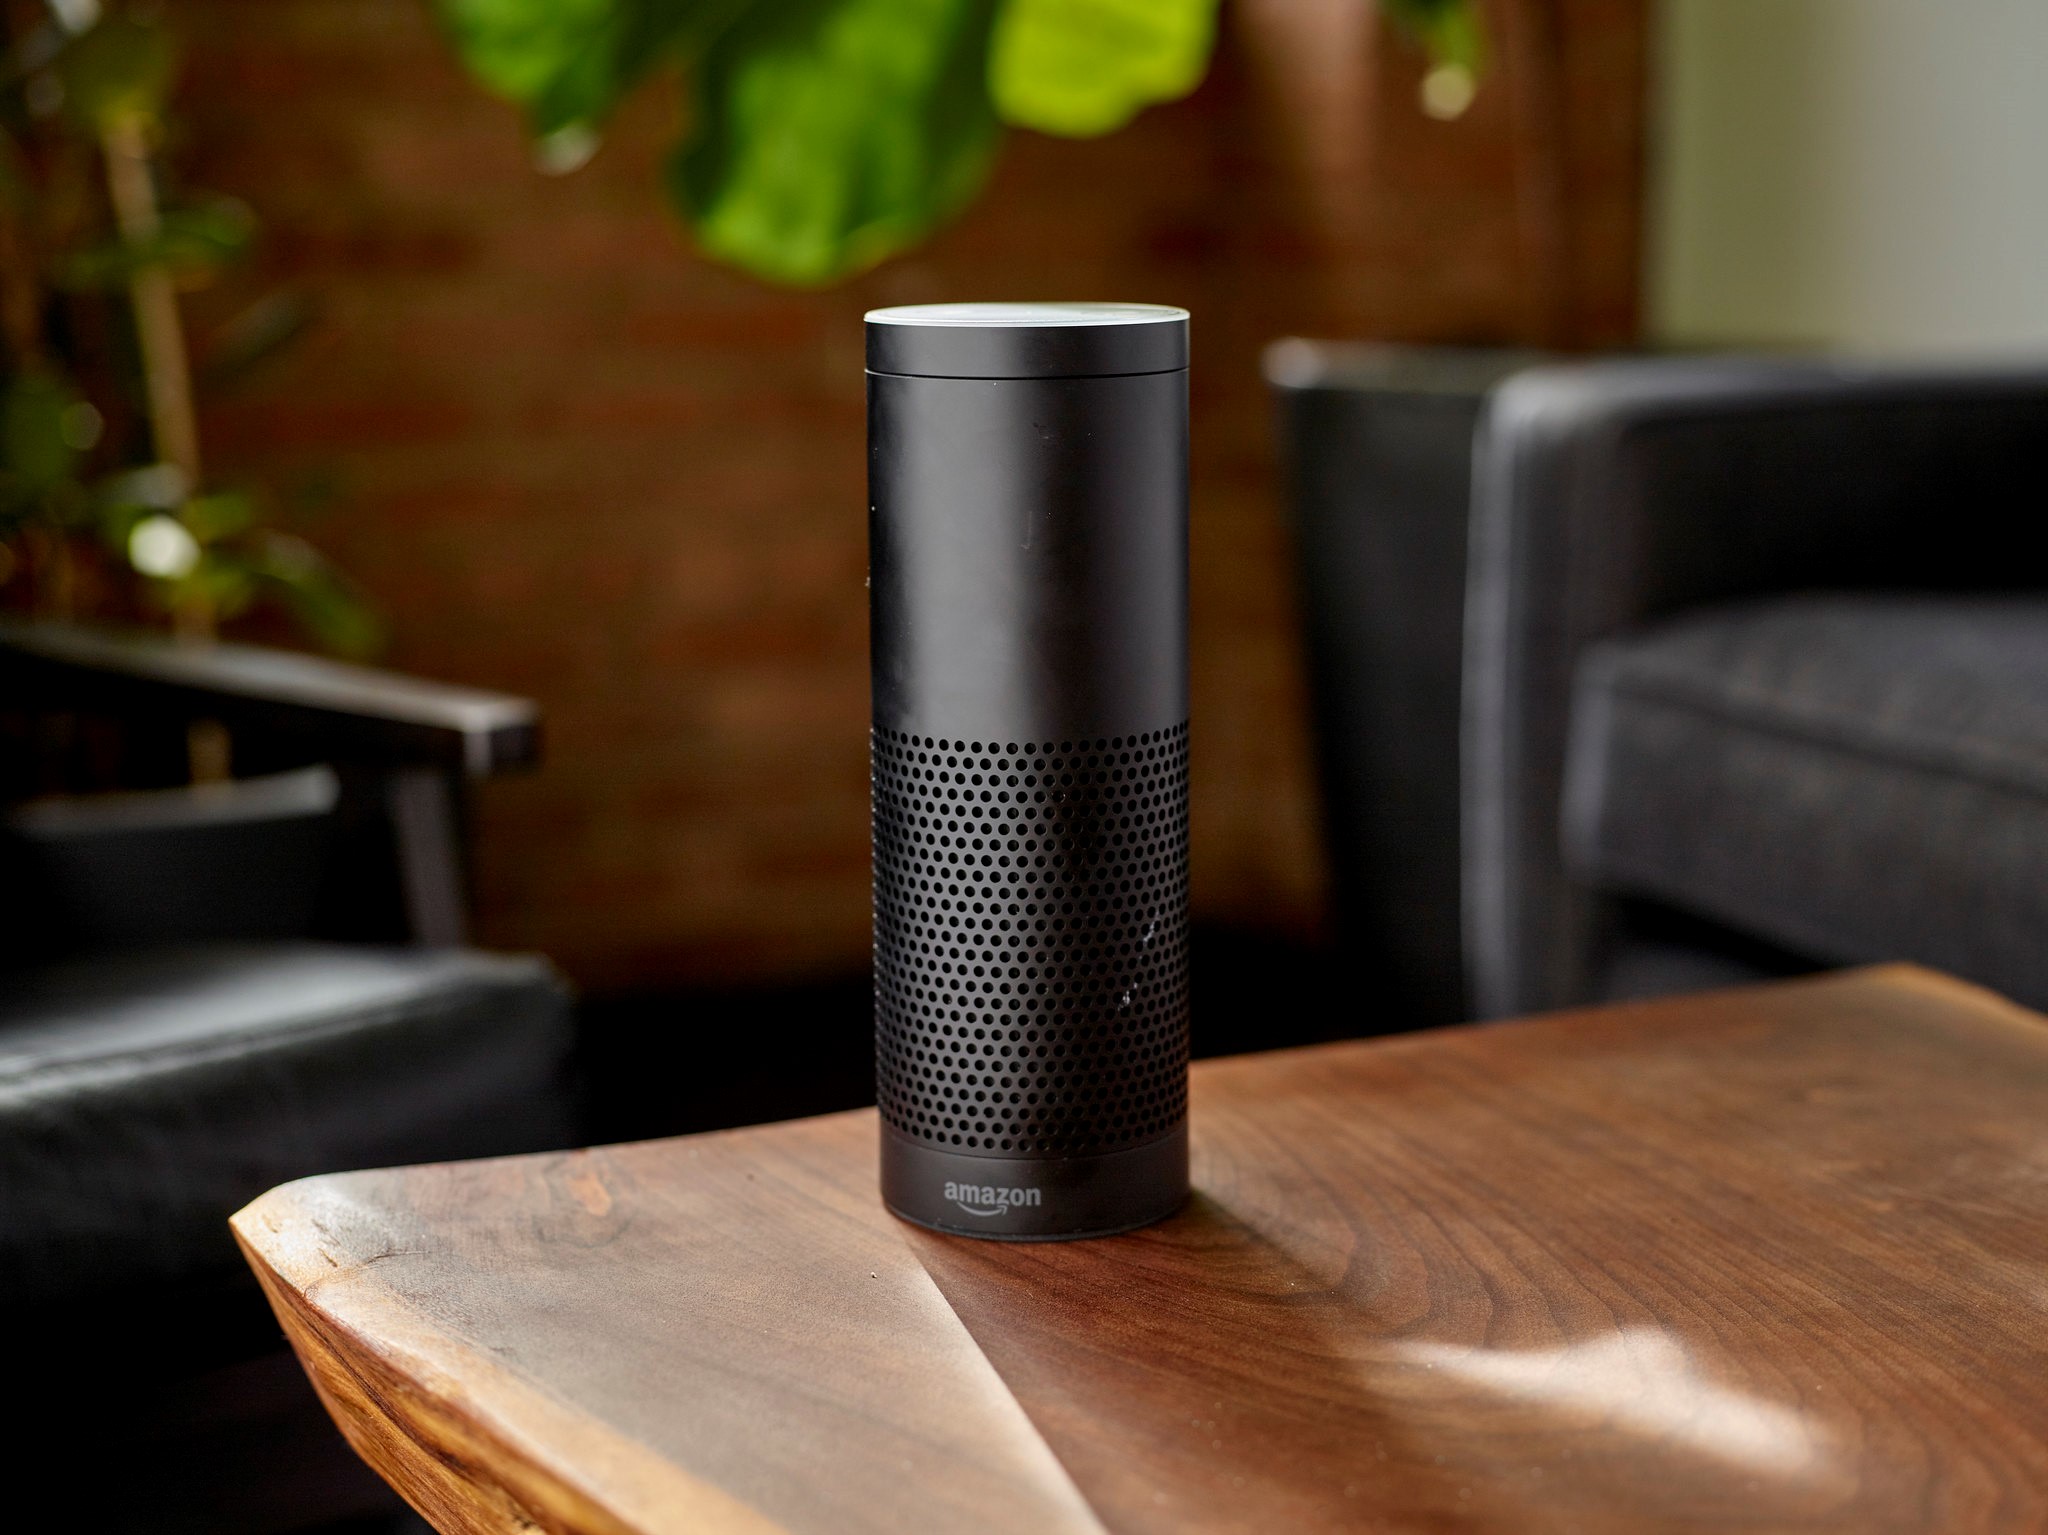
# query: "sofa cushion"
[[146, 1095], [1856, 777], [241, 860]]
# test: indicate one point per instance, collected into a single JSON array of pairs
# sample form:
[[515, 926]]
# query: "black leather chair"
[[1377, 450], [1756, 678], [1754, 672], [208, 991]]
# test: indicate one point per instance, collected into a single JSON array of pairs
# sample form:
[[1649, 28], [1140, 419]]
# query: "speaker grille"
[[1031, 959]]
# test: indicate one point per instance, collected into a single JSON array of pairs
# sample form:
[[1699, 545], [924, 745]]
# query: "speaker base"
[[1034, 1199]]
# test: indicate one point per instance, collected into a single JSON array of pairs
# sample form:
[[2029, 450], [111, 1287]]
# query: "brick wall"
[[572, 460]]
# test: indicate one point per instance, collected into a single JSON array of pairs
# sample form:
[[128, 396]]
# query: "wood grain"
[[1764, 1260], [724, 1333]]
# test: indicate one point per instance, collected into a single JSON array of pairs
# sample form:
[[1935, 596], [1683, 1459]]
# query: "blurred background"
[[565, 456], [517, 346], [571, 459]]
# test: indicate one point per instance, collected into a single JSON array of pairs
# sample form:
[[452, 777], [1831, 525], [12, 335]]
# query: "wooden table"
[[1760, 1260]]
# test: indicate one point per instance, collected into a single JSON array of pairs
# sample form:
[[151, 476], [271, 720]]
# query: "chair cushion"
[[146, 1095], [236, 861], [1856, 777]]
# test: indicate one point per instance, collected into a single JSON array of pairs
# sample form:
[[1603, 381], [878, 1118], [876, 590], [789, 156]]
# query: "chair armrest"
[[1376, 452], [344, 713], [1607, 494]]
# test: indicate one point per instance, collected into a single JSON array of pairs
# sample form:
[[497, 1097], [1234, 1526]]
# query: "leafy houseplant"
[[825, 135], [104, 505]]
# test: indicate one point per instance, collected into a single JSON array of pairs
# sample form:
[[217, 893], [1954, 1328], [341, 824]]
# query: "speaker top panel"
[[1027, 340]]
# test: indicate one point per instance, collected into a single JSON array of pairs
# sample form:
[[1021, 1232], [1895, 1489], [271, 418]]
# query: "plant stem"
[[209, 751], [167, 385], [160, 335]]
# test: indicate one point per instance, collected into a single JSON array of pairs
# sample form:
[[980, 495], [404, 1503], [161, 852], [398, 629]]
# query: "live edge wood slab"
[[1772, 1259]]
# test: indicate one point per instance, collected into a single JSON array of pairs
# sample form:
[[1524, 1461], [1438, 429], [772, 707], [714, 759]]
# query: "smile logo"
[[986, 1200]]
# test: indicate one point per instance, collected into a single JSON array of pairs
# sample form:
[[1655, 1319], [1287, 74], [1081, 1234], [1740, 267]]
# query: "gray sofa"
[[1754, 667], [1763, 644]]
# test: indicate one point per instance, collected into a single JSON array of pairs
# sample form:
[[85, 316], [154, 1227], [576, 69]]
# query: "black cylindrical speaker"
[[1027, 524]]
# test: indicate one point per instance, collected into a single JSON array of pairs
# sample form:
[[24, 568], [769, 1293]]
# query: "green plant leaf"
[[224, 581], [37, 454], [555, 58], [317, 596], [118, 71], [190, 242], [1450, 31], [220, 515], [1084, 67], [569, 62], [831, 133]]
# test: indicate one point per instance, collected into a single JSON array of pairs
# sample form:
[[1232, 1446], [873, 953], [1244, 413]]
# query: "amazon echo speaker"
[[1027, 487]]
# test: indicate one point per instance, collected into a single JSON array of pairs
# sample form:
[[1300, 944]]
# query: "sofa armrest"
[[343, 713], [1376, 449], [1607, 494]]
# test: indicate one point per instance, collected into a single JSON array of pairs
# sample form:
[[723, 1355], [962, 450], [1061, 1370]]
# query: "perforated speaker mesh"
[[1031, 941]]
